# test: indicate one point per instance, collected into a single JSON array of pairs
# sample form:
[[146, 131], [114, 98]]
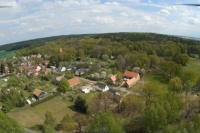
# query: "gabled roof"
[[130, 74], [74, 81], [131, 81], [113, 78], [101, 85], [59, 77], [37, 92]]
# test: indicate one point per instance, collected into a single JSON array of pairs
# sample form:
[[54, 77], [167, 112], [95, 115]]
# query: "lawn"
[[194, 66], [4, 54], [154, 77], [31, 116]]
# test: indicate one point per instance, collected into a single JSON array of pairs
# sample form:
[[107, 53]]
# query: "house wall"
[[105, 89]]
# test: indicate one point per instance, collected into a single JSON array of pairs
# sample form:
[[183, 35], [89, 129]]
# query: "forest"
[[153, 109]]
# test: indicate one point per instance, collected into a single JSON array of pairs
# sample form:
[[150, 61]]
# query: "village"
[[42, 79]]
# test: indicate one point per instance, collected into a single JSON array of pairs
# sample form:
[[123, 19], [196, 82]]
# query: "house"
[[60, 51], [130, 78], [39, 56], [80, 71], [46, 62], [33, 72], [22, 68], [38, 94], [58, 79], [7, 70], [69, 68], [37, 68], [87, 89], [101, 87], [129, 75], [52, 67], [47, 72], [28, 101], [62, 69], [112, 80], [74, 81], [33, 56]]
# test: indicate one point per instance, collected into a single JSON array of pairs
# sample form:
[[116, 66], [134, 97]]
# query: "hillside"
[[112, 36], [133, 82]]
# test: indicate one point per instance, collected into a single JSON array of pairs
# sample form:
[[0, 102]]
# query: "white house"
[[63, 69], [101, 87], [86, 89]]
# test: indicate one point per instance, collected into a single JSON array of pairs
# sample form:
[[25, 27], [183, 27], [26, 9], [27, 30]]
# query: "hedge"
[[45, 99]]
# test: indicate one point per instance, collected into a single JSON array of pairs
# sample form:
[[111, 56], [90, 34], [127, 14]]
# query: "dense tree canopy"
[[8, 125], [105, 122], [64, 85]]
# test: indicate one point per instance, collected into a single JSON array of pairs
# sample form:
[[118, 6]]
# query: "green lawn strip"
[[194, 66]]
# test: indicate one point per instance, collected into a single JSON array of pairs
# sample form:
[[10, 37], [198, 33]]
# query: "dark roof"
[[101, 85]]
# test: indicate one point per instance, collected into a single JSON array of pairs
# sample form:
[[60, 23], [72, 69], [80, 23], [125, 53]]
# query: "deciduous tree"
[[105, 122], [80, 104], [67, 123], [64, 85], [49, 120], [175, 85]]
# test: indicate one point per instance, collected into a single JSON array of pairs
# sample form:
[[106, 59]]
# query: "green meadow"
[[5, 54]]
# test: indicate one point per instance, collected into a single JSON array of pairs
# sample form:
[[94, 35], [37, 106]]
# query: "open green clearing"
[[154, 77], [194, 66], [30, 116], [5, 54]]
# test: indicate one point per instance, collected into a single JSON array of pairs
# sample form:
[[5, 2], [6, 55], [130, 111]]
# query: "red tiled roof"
[[130, 74], [74, 81], [131, 81], [32, 71]]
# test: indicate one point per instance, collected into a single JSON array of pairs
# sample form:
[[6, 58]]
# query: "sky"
[[31, 19]]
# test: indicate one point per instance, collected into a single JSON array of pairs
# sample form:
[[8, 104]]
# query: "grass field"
[[4, 54], [31, 116], [194, 66], [154, 77]]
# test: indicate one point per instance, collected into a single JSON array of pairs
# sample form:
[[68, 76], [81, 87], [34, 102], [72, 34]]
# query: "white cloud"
[[104, 20], [192, 20], [124, 14], [30, 19], [164, 12], [112, 3]]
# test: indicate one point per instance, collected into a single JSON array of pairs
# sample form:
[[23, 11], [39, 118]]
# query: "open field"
[[194, 66], [4, 54], [31, 116], [155, 78]]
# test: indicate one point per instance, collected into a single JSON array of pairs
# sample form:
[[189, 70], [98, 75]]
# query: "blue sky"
[[30, 19]]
